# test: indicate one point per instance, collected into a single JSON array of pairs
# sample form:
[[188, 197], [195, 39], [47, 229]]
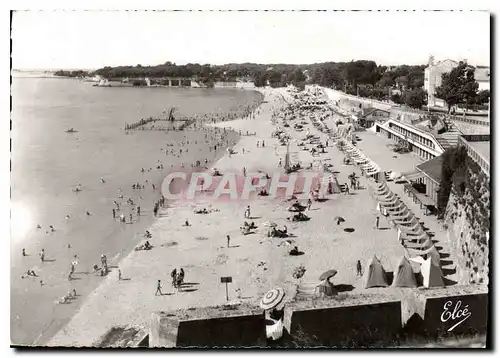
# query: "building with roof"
[[434, 71], [426, 179], [420, 139], [424, 184]]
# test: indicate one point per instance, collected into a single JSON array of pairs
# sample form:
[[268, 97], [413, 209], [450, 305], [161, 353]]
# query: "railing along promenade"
[[464, 140]]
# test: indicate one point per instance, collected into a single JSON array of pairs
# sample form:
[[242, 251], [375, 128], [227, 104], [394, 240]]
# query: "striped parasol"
[[272, 298]]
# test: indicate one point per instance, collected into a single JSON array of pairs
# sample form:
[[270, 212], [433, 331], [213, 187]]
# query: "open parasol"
[[272, 298], [339, 218], [328, 274]]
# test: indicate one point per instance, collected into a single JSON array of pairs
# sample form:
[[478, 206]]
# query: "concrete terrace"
[[483, 148]]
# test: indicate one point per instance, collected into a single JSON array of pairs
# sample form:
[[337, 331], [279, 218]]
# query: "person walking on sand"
[[309, 203], [359, 269], [24, 252], [280, 163], [138, 211], [173, 275], [158, 288], [114, 214], [228, 240], [119, 275], [130, 217], [42, 255], [257, 144], [377, 221], [247, 212]]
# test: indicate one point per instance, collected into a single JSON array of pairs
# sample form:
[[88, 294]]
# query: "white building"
[[433, 74]]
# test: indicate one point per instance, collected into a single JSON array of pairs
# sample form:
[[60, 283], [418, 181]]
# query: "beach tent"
[[434, 256], [406, 220], [400, 212], [419, 246], [404, 214], [414, 229], [417, 238], [433, 276], [374, 274], [390, 200], [404, 275]]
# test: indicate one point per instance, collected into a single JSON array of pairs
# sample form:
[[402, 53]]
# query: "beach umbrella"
[[272, 298], [339, 218], [328, 274]]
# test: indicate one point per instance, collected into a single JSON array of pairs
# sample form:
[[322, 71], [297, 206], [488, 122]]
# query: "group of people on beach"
[[177, 281]]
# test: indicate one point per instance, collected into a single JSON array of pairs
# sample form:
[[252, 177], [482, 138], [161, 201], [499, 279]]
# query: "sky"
[[94, 39]]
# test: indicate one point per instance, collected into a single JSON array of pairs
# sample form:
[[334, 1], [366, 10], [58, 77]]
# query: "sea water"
[[47, 163]]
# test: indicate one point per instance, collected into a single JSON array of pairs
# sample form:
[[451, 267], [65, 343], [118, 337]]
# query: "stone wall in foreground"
[[451, 312]]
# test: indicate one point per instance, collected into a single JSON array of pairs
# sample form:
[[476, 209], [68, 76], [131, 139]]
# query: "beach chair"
[[406, 220]]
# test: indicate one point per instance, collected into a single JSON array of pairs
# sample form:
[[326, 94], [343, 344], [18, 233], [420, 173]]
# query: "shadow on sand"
[[344, 288]]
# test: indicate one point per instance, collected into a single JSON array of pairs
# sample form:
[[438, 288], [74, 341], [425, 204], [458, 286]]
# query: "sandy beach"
[[256, 262]]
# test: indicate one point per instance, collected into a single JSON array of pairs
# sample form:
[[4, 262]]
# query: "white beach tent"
[[432, 274]]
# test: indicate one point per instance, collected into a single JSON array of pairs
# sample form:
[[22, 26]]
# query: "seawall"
[[346, 322]]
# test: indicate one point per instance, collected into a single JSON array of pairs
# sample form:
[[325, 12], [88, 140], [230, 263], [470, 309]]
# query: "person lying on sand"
[[294, 252], [30, 273]]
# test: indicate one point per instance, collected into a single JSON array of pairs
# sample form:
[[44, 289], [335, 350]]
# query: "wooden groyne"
[[143, 122]]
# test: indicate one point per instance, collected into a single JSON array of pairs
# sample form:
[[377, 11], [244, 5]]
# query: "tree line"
[[460, 88], [400, 84]]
